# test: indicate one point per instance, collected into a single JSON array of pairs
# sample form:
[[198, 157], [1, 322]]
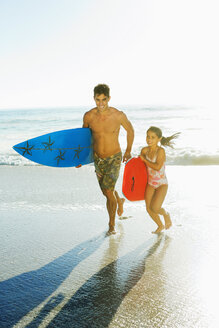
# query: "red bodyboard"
[[134, 179]]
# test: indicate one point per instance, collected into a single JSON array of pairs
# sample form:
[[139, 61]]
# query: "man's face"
[[101, 101]]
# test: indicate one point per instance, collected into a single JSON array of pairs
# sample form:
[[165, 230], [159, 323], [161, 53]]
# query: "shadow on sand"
[[96, 302], [21, 294]]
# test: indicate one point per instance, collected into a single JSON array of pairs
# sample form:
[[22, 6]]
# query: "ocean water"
[[196, 145]]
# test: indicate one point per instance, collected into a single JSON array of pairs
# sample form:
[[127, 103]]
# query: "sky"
[[150, 52]]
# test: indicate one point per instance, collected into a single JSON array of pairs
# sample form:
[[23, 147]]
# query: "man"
[[105, 122]]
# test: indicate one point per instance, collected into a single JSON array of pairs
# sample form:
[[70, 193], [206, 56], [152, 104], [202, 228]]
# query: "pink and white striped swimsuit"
[[156, 178]]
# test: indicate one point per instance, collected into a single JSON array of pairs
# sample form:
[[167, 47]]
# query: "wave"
[[194, 125], [189, 159], [176, 158]]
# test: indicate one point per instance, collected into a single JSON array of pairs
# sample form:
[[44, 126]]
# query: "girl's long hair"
[[165, 141]]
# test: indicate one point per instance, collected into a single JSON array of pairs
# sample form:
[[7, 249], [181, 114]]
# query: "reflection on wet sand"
[[97, 301], [145, 304]]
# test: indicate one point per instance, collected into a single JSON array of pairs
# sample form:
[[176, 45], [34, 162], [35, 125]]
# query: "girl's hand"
[[142, 158]]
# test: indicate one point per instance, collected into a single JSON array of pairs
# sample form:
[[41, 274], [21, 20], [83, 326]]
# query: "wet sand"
[[59, 269]]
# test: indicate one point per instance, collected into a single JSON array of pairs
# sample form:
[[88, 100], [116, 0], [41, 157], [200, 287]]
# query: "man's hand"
[[126, 156]]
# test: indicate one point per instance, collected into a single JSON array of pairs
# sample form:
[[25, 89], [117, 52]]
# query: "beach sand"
[[59, 269]]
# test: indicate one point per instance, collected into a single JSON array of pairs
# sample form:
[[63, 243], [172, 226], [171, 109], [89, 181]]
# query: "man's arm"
[[130, 136], [85, 121], [85, 125]]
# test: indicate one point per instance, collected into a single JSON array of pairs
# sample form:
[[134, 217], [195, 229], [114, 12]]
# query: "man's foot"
[[111, 231], [168, 222], [159, 229], [120, 206]]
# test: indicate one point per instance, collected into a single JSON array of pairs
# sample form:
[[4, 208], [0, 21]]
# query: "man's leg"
[[120, 202], [107, 176], [111, 204], [111, 179]]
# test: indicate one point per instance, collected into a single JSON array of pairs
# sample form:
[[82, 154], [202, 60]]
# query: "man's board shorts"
[[107, 170]]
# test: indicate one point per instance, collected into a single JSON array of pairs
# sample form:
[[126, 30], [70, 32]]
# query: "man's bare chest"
[[104, 125]]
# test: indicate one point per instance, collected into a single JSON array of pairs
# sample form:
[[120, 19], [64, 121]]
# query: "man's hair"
[[102, 89]]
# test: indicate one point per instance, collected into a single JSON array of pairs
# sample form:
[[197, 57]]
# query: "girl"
[[154, 157]]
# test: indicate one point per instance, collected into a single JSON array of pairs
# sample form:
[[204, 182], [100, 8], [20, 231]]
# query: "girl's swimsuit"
[[156, 178]]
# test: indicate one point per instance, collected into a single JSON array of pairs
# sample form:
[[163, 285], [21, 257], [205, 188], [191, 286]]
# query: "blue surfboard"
[[66, 148]]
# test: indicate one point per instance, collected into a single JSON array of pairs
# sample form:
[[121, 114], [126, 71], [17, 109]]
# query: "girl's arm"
[[161, 157]]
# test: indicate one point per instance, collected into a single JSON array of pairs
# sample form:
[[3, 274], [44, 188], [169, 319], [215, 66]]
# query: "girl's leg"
[[150, 193], [157, 202]]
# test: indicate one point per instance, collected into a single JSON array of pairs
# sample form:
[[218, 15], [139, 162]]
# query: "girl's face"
[[152, 139]]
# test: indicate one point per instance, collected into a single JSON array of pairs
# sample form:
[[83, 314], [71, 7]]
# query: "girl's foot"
[[168, 222], [120, 206], [159, 229]]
